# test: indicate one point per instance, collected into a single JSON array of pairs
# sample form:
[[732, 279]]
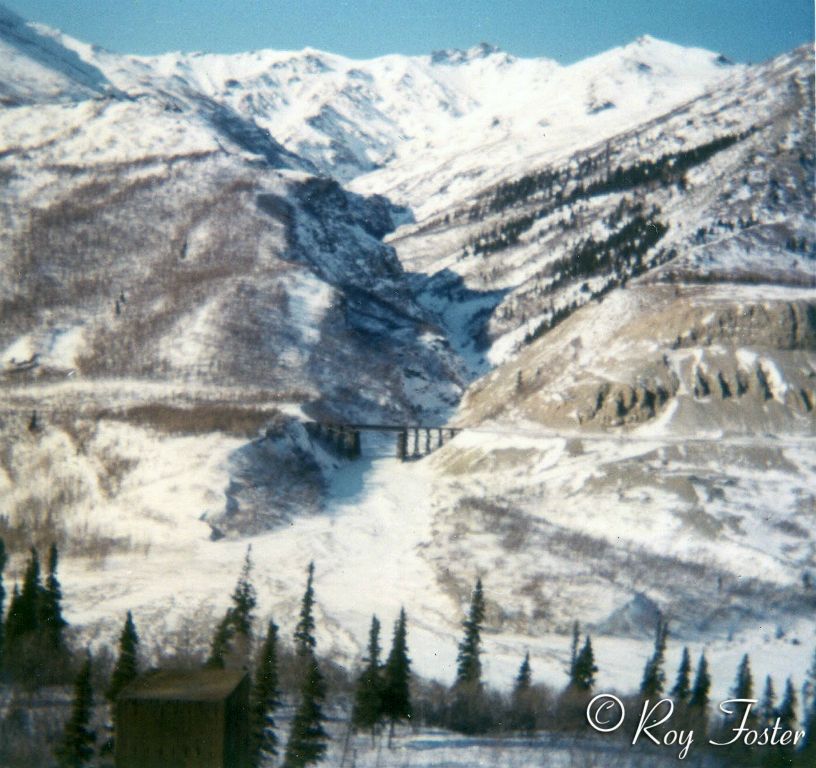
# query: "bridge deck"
[[395, 427]]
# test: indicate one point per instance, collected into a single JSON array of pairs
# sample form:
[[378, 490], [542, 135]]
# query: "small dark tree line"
[[387, 693]]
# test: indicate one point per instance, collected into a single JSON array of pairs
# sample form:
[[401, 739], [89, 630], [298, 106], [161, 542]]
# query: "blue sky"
[[566, 30]]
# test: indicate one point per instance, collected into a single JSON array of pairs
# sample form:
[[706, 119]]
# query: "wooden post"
[[416, 441], [356, 447], [427, 441], [402, 444]]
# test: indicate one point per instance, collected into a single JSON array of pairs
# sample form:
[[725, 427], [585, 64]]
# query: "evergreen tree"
[[654, 677], [806, 756], [767, 707], [304, 631], [77, 747], [468, 665], [783, 754], [809, 686], [232, 641], [307, 738], [397, 675], [29, 653], [368, 698], [127, 664], [585, 668], [2, 601], [265, 699], [244, 599], [522, 711], [50, 608], [524, 677], [682, 687], [743, 689], [698, 702], [744, 684], [12, 629], [576, 639], [221, 642], [27, 608], [787, 708]]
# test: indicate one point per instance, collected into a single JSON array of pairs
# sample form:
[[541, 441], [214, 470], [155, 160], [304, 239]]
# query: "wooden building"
[[184, 719]]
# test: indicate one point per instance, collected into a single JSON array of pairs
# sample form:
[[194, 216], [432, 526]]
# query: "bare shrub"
[[32, 725]]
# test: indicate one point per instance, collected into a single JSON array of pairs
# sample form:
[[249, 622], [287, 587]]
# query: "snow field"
[[373, 553]]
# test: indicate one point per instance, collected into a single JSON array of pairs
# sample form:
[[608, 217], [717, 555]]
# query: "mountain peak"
[[38, 65], [458, 56]]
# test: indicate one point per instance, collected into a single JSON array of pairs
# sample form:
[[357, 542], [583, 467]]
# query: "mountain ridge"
[[606, 302]]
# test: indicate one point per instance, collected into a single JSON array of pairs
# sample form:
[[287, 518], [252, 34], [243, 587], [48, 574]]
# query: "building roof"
[[184, 685]]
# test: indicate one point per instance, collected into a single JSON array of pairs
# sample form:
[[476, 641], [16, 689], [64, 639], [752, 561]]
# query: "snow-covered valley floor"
[[427, 748], [365, 547], [373, 553]]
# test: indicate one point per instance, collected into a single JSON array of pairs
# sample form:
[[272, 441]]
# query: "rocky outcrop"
[[741, 361]]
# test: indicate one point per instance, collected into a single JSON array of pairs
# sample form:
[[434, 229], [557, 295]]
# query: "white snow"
[[431, 133]]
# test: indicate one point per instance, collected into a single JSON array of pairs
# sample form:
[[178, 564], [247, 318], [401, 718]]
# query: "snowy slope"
[[532, 115], [407, 122], [158, 235], [182, 277], [731, 186], [36, 68], [154, 245]]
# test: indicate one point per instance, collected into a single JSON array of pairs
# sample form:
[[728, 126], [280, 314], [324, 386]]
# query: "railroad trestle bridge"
[[411, 441]]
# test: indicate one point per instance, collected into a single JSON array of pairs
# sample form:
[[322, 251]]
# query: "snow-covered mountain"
[[397, 119], [165, 235], [615, 259], [720, 189]]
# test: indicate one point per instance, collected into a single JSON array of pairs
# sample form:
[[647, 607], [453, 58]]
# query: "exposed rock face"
[[705, 358], [775, 324]]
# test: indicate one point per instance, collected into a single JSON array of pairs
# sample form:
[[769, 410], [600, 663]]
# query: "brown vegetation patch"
[[198, 419]]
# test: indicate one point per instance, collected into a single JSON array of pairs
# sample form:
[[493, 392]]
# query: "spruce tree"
[[744, 684], [28, 605], [468, 664], [654, 677], [522, 712], [304, 631], [585, 668], [576, 639], [783, 754], [221, 642], [77, 747], [50, 608], [787, 708], [806, 755], [397, 676], [743, 689], [682, 687], [2, 602], [232, 641], [367, 712], [28, 655], [524, 677], [809, 686], [699, 700], [244, 599], [307, 738], [265, 700], [767, 707], [11, 628], [127, 663]]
